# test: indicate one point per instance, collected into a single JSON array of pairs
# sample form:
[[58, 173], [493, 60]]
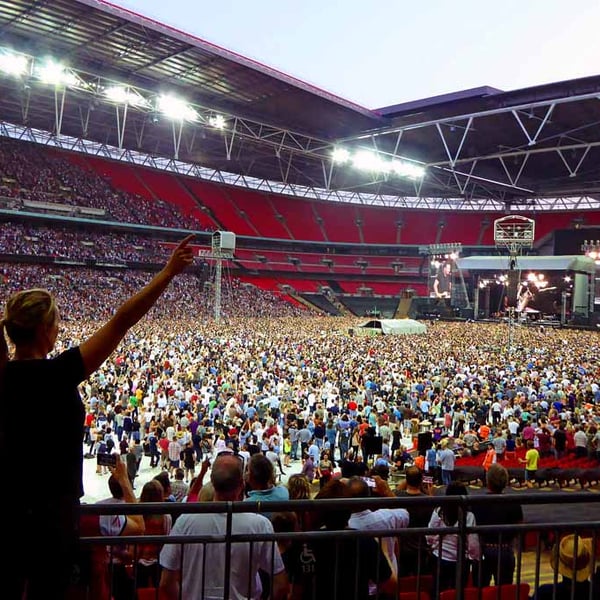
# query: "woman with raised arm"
[[41, 527]]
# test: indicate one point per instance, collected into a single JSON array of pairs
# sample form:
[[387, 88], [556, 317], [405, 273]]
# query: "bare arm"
[[96, 349], [280, 586], [135, 523], [199, 481], [169, 584]]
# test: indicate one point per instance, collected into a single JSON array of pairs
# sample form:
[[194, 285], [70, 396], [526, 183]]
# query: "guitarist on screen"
[[442, 284]]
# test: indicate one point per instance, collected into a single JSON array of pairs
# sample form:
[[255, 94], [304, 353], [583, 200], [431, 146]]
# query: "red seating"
[[339, 222], [493, 592], [412, 583], [413, 596]]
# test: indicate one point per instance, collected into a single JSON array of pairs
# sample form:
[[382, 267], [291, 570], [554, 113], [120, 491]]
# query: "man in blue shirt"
[[261, 481]]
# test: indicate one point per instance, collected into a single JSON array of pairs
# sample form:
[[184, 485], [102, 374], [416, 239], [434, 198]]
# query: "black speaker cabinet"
[[424, 442]]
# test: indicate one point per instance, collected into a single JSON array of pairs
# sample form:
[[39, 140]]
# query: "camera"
[[369, 481], [427, 480], [106, 459]]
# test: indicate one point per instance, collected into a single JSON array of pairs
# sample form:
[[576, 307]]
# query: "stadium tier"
[[54, 181]]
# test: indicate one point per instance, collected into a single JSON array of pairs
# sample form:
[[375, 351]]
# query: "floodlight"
[[13, 64], [408, 169], [54, 73], [217, 121], [176, 109], [124, 95], [370, 161], [341, 155]]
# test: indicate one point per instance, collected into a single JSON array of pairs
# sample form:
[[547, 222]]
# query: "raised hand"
[[182, 256]]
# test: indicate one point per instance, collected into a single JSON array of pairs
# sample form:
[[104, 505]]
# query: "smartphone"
[[106, 459], [427, 480], [369, 481]]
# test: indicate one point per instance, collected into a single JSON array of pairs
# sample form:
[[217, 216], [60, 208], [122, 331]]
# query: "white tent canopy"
[[580, 264], [395, 326]]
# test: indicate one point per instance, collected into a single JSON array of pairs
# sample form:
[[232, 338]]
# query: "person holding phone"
[[43, 531]]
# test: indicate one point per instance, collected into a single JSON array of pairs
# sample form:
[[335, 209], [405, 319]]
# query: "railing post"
[[228, 532], [462, 526]]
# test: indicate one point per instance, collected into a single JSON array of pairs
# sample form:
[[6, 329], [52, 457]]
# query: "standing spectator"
[[499, 445], [497, 551], [188, 456], [581, 442], [559, 438], [343, 568], [147, 568], [324, 469], [308, 468], [174, 455], [154, 451], [531, 459], [413, 557], [444, 547], [113, 525], [179, 488], [383, 518], [184, 574], [43, 533], [445, 459], [261, 481]]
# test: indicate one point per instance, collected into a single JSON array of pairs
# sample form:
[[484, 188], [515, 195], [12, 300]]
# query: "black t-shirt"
[[497, 514], [419, 516], [344, 568], [560, 439], [563, 591], [46, 388]]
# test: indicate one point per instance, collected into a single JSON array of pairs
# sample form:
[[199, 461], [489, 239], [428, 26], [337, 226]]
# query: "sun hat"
[[577, 567]]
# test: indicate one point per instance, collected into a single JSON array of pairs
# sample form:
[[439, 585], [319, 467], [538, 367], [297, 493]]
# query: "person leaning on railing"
[[42, 533]]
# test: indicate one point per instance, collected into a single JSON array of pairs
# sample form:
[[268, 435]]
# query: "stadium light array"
[[217, 121], [176, 109], [341, 155], [12, 64], [366, 160], [125, 95], [55, 73]]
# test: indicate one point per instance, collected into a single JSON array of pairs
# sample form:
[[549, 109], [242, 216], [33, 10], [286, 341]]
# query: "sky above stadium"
[[383, 52]]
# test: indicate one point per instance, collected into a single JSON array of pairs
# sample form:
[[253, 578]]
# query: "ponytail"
[[3, 346], [3, 349]]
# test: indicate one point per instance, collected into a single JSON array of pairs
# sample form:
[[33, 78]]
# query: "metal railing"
[[534, 544]]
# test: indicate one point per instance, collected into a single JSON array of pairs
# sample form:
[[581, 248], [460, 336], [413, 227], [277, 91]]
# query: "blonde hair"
[[298, 487], [25, 311]]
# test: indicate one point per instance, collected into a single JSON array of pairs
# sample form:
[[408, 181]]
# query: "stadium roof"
[[482, 149]]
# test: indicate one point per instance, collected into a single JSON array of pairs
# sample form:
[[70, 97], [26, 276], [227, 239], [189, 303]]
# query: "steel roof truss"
[[514, 180], [121, 121], [573, 172], [532, 140], [453, 157]]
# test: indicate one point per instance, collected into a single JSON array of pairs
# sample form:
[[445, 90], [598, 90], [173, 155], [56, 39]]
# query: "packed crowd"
[[265, 386], [55, 242], [30, 172], [90, 295], [290, 388]]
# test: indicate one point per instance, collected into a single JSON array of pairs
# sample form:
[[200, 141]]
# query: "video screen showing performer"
[[442, 284]]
